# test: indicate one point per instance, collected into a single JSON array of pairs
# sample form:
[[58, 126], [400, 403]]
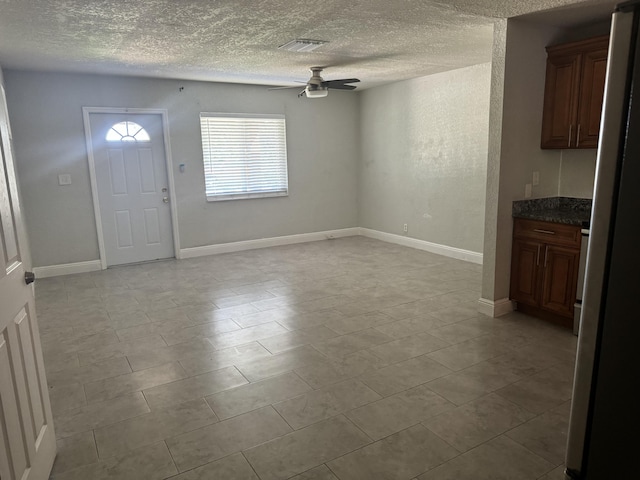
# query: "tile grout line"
[[249, 463], [173, 461]]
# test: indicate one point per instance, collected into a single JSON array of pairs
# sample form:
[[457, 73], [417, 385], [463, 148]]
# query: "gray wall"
[[414, 152], [46, 114], [18, 210], [424, 157]]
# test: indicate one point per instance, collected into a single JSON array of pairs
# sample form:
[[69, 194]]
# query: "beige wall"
[[46, 113], [492, 191], [517, 97], [577, 173], [424, 157], [520, 60]]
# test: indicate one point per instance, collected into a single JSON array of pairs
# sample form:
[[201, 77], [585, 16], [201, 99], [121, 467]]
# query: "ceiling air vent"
[[302, 45]]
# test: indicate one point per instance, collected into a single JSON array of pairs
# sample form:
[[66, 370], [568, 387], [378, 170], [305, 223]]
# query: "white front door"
[[27, 439], [131, 176]]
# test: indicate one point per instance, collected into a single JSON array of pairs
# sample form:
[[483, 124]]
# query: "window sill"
[[248, 196]]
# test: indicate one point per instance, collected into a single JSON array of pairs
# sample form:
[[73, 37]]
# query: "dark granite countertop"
[[571, 211]]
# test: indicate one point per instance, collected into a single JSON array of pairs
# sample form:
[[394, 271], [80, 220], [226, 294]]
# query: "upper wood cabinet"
[[573, 94]]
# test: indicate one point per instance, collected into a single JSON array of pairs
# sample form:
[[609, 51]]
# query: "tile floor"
[[343, 359]]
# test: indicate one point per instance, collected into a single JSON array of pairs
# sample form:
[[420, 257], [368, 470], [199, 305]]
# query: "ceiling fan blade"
[[340, 86], [345, 80]]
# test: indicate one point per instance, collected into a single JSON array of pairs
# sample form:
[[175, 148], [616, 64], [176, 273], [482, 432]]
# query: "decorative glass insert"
[[127, 132]]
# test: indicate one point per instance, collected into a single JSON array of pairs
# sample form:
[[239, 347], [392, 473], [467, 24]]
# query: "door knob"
[[165, 199], [29, 277]]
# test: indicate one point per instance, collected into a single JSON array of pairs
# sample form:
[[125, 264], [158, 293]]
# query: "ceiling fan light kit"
[[315, 91]]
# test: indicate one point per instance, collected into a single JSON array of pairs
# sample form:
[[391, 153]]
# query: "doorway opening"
[[132, 184]]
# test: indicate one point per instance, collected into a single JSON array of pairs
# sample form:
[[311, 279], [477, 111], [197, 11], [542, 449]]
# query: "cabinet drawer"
[[547, 232]]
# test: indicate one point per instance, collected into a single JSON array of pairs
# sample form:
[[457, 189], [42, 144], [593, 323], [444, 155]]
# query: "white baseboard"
[[193, 252], [67, 269], [266, 242], [495, 308], [437, 248]]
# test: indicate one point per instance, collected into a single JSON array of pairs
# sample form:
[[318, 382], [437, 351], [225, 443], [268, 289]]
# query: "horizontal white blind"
[[245, 156]]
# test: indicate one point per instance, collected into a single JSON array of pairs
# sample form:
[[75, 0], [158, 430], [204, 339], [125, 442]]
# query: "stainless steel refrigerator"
[[604, 431]]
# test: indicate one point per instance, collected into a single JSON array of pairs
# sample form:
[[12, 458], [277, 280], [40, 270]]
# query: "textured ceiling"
[[378, 41]]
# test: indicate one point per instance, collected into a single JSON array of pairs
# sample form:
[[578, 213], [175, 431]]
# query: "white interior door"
[[27, 439], [131, 175]]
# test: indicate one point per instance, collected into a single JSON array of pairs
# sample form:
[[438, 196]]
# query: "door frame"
[[164, 116]]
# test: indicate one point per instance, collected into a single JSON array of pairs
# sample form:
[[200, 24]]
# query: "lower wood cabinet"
[[544, 269]]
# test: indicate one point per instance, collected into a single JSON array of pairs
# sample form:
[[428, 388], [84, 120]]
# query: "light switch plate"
[[64, 179], [536, 178]]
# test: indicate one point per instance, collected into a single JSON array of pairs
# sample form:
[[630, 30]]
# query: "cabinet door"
[[591, 96], [524, 271], [559, 119], [560, 270]]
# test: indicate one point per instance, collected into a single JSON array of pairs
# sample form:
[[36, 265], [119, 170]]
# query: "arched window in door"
[[127, 132]]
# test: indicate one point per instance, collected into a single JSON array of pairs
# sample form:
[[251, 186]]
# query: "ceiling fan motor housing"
[[315, 76]]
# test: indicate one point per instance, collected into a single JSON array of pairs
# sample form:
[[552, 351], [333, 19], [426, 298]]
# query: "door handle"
[[538, 257], [29, 277], [165, 199]]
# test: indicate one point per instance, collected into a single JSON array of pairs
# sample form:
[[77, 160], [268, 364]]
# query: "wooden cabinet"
[[573, 95], [559, 279], [544, 269], [524, 271]]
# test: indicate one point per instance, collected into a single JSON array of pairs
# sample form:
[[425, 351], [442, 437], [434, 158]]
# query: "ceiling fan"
[[318, 87]]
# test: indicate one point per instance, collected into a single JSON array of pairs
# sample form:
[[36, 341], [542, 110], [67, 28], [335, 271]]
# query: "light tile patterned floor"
[[344, 359]]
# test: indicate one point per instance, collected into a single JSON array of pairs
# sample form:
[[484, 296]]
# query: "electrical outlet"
[[527, 190], [536, 178], [405, 228]]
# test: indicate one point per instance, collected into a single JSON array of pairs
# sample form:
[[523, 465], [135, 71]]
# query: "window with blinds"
[[245, 156]]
